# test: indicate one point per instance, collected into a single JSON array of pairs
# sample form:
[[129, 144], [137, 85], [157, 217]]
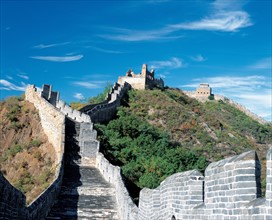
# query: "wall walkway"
[[79, 129]]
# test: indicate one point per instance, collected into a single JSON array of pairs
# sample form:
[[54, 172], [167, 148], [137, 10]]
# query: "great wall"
[[87, 186]]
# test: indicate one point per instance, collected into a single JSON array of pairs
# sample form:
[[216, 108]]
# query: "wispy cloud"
[[173, 63], [104, 50], [6, 85], [231, 82], [44, 46], [122, 34], [164, 75], [23, 76], [9, 77], [57, 58], [79, 96], [229, 21], [198, 58], [254, 91], [265, 63], [88, 85], [229, 5]]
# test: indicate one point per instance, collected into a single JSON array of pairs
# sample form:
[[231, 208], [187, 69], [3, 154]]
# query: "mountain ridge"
[[214, 129]]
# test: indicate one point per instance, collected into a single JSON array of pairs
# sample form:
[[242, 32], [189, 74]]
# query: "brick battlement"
[[231, 189]]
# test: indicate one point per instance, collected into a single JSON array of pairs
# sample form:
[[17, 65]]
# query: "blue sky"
[[80, 46]]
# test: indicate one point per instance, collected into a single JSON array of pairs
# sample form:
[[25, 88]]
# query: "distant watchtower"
[[141, 81], [204, 90]]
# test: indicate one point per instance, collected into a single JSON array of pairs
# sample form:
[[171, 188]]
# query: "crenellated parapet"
[[105, 111], [231, 189], [52, 120], [179, 192], [126, 208], [53, 98], [86, 135]]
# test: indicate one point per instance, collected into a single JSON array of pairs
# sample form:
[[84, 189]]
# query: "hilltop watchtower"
[[204, 90], [141, 81]]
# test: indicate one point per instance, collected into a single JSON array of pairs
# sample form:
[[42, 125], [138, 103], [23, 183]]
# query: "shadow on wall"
[[67, 203]]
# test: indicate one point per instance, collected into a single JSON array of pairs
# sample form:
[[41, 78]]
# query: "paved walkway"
[[85, 194]]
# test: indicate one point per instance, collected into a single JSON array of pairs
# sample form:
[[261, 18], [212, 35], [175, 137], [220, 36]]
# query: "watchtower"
[[204, 90]]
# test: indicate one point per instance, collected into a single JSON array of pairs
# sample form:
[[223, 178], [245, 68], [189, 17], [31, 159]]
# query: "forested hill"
[[157, 133]]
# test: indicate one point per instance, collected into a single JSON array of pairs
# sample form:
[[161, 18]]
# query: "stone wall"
[[89, 146], [241, 108], [12, 201], [105, 111], [269, 180], [40, 207], [136, 82], [72, 113], [54, 99], [231, 190], [52, 120], [127, 210], [53, 123]]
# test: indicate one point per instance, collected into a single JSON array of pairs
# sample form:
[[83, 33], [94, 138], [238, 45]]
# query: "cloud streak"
[[87, 85], [198, 58], [44, 46], [265, 63], [173, 63], [23, 76], [58, 58], [104, 50], [6, 85], [229, 5], [229, 82], [122, 34], [79, 96]]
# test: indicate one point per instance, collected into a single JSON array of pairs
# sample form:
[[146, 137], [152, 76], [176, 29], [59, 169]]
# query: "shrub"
[[211, 97], [35, 143], [16, 125], [38, 155], [12, 151], [45, 176]]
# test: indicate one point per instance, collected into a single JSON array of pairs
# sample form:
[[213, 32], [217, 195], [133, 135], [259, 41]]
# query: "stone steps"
[[84, 194]]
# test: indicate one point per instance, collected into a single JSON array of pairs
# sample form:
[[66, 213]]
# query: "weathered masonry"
[[230, 190], [204, 90], [144, 80]]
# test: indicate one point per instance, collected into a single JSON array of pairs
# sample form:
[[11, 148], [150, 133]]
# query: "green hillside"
[[158, 133]]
